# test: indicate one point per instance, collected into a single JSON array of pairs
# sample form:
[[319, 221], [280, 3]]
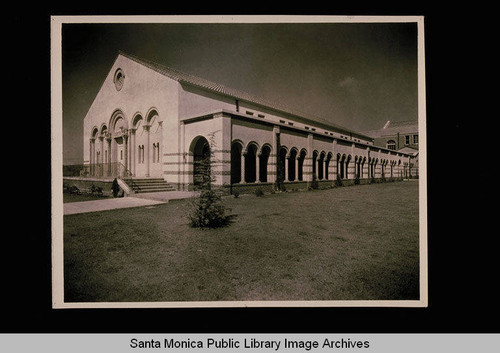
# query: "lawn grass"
[[349, 243]]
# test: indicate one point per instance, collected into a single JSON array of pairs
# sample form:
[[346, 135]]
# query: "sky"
[[356, 75]]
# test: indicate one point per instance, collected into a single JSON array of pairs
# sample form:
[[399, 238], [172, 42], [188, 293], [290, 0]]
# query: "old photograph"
[[204, 161]]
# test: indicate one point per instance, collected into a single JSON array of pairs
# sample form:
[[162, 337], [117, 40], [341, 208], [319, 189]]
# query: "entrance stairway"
[[142, 185]]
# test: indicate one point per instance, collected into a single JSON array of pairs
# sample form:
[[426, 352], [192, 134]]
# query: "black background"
[[461, 153]]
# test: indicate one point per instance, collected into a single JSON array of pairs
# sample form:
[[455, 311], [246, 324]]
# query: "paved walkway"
[[138, 200]]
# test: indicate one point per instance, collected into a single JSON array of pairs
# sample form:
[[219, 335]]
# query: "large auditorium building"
[[153, 122]]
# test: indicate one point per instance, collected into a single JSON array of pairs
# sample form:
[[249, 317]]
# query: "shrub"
[[356, 180], [338, 181], [207, 211], [314, 183], [74, 190], [259, 193], [236, 194], [96, 190]]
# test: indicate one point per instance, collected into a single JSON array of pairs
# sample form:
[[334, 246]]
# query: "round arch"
[[236, 152], [199, 149], [293, 163], [103, 129], [117, 121], [151, 115], [300, 160], [281, 163], [251, 152], [136, 120], [94, 132], [328, 159], [315, 155], [321, 165], [252, 144], [264, 154]]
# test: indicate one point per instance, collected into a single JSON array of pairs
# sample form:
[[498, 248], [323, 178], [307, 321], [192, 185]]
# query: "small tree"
[[207, 210]]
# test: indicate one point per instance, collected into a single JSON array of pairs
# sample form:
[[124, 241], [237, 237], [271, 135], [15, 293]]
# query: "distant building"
[[400, 136], [396, 135]]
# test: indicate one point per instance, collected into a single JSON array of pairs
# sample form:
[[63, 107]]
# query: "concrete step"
[[144, 185]]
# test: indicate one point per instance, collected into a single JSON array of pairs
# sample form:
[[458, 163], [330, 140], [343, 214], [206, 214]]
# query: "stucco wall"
[[143, 90]]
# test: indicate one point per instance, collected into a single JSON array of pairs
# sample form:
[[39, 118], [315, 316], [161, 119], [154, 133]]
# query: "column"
[[273, 157], [101, 138], [125, 148], [108, 139], [243, 154], [257, 167], [353, 160], [221, 168], [334, 160], [184, 160], [367, 163], [378, 172], [146, 128], [307, 165], [91, 156], [286, 168], [133, 148], [160, 143], [296, 161], [351, 169], [101, 165]]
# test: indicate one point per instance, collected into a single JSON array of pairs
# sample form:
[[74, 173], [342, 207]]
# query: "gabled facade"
[[150, 121]]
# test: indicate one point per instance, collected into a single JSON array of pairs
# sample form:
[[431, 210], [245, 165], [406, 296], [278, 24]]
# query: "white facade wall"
[[195, 101], [143, 91]]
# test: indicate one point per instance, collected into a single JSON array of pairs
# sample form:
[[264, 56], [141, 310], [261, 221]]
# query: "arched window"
[[321, 166], [314, 159], [263, 160], [250, 164], [300, 161], [281, 164], [327, 164], [236, 149], [391, 145], [346, 171], [291, 164], [201, 163]]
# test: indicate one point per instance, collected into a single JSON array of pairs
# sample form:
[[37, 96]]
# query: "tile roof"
[[183, 77]]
